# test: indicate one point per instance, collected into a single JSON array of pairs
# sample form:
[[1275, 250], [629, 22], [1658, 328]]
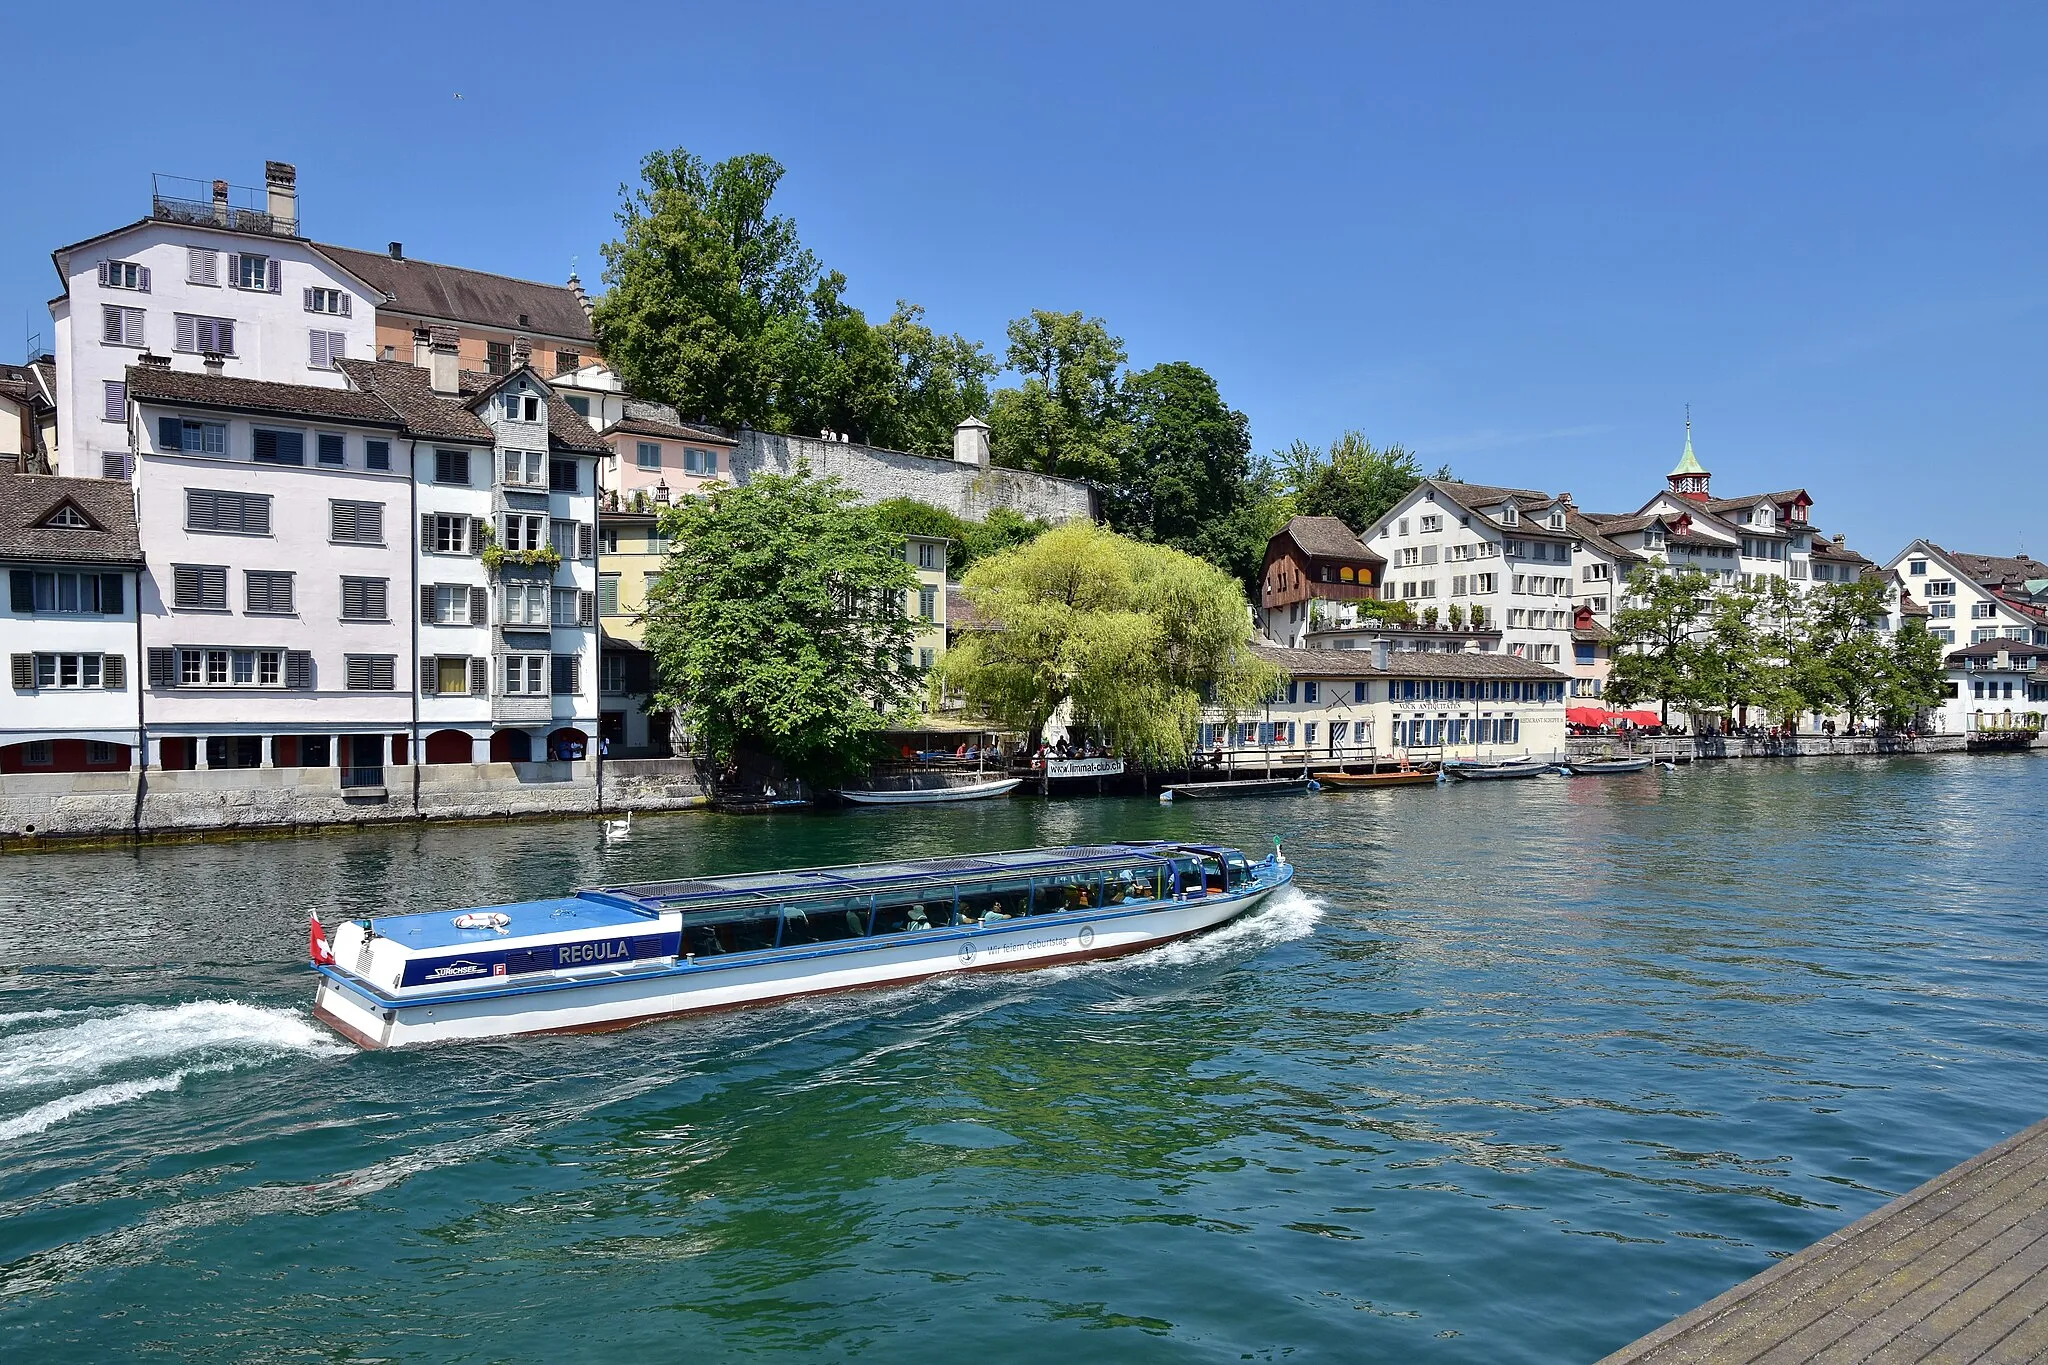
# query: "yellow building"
[[927, 601], [630, 554]]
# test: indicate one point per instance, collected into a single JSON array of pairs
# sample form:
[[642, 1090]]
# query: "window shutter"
[[163, 668], [234, 270], [319, 358], [298, 669], [476, 535], [430, 676], [427, 616], [25, 664], [275, 270], [114, 671], [341, 519], [110, 323], [586, 539], [116, 396], [21, 590], [309, 300], [104, 265], [479, 677], [344, 305], [111, 603], [142, 278], [170, 434], [479, 607], [188, 332], [575, 674], [586, 608]]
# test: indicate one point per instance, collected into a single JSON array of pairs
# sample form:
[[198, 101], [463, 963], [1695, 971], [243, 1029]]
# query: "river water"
[[1522, 1070]]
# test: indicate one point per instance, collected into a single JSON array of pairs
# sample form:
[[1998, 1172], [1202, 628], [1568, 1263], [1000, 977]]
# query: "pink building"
[[661, 460]]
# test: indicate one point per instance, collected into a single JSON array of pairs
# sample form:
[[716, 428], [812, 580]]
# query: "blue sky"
[[1516, 238]]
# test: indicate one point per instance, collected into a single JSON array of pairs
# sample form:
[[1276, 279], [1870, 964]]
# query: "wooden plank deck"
[[1955, 1271]]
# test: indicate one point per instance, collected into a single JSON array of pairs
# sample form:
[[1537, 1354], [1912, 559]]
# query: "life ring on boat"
[[966, 954], [484, 919], [1087, 936]]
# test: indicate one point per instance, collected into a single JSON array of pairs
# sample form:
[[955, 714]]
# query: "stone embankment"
[[1704, 747], [39, 809]]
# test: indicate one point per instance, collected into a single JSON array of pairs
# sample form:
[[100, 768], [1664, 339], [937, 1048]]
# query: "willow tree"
[[1133, 640]]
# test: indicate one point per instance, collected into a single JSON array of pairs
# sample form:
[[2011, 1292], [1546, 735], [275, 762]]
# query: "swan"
[[618, 829]]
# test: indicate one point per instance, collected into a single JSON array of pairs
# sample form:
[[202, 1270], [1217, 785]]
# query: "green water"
[[1524, 1070]]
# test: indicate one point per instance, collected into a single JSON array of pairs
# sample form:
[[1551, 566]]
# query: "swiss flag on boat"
[[321, 957]]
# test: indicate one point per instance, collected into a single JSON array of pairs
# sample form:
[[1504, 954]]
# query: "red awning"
[[1639, 717], [1585, 715]]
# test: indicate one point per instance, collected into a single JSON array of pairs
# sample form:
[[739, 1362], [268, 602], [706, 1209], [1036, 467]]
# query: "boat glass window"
[[1186, 879], [1212, 872], [1132, 885], [1067, 891], [1236, 871], [824, 921], [991, 902], [728, 929], [906, 912]]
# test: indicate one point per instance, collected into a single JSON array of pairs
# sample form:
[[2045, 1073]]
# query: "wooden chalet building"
[[1312, 559]]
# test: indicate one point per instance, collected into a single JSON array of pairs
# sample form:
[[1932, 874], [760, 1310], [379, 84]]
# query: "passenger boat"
[[1487, 772], [609, 957], [1601, 767], [1400, 777], [1246, 786], [918, 796]]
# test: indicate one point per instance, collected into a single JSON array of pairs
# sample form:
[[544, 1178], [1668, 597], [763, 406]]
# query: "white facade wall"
[[272, 332], [1521, 576], [467, 503], [1338, 716], [103, 713], [299, 542], [1960, 612]]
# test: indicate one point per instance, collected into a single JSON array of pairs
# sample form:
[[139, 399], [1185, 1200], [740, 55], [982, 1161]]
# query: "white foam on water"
[[98, 1097], [27, 1016], [39, 1058]]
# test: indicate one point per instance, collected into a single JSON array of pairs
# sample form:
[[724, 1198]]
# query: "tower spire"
[[1689, 479]]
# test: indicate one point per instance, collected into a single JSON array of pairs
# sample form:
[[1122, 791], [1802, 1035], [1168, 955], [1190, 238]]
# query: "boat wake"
[[195, 1037]]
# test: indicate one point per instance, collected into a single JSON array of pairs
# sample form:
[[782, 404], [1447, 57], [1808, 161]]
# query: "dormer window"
[[1653, 538], [1557, 521], [1508, 515], [68, 517]]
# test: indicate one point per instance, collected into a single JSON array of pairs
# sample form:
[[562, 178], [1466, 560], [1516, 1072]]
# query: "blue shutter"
[[170, 433], [234, 270]]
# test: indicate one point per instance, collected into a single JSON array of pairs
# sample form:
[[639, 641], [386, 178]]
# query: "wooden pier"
[[1955, 1271]]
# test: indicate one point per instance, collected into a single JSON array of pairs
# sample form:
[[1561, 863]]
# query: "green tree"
[[1188, 479], [1727, 662], [1915, 679], [1353, 481], [1132, 636], [1841, 662], [779, 627], [1066, 417], [1653, 638], [708, 294], [940, 381]]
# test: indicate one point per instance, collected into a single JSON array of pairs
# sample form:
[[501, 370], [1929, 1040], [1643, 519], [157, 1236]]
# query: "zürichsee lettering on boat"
[[612, 956]]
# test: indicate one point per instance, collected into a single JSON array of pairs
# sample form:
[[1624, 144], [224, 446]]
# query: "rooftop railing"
[[240, 208]]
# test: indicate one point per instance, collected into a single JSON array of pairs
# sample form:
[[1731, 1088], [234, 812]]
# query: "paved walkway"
[[1955, 1271]]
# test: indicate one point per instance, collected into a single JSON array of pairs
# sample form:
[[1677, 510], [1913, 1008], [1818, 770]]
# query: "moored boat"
[[613, 956], [1488, 772], [1602, 767], [1248, 786], [918, 796], [1400, 777]]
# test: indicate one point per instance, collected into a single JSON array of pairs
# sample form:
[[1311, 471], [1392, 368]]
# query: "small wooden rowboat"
[[1493, 772], [1601, 767], [919, 796], [1401, 777]]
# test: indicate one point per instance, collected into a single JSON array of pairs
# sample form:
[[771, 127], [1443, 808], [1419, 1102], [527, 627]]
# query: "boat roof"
[[634, 904], [854, 877]]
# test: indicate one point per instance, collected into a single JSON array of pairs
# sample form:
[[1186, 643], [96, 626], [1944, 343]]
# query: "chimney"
[[161, 362], [422, 347], [215, 363], [1379, 652], [447, 368], [522, 350], [220, 203], [397, 250], [970, 443], [1841, 539], [281, 179]]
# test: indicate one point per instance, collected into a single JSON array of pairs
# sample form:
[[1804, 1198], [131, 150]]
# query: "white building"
[[70, 555], [1974, 598], [224, 276], [1379, 703], [1501, 556], [1999, 684]]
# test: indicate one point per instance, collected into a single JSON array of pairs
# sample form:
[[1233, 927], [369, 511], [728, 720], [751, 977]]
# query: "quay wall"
[[1708, 747], [157, 803]]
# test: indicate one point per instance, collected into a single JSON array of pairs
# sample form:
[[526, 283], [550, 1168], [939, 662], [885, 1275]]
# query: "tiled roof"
[[408, 391], [1593, 533], [1752, 499], [2023, 654], [1326, 536], [1591, 633], [960, 613], [631, 425], [161, 384], [1357, 663], [1824, 548], [27, 500], [427, 290], [2011, 570]]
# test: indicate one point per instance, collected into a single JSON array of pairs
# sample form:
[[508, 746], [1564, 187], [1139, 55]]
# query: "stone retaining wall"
[[965, 490], [159, 803]]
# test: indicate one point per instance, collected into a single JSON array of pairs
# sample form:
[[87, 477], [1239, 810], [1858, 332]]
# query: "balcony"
[[177, 199], [522, 709]]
